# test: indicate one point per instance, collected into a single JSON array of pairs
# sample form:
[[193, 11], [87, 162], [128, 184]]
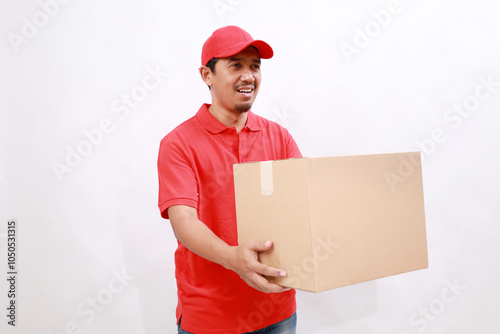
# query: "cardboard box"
[[334, 221]]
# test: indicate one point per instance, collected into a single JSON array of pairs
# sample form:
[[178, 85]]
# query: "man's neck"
[[230, 118]]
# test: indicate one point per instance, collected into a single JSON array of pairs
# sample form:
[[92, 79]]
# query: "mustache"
[[243, 84]]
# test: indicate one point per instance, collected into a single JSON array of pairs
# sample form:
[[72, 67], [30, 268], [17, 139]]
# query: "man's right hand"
[[243, 260]]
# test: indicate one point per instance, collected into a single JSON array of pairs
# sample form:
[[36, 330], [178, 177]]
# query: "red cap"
[[230, 40]]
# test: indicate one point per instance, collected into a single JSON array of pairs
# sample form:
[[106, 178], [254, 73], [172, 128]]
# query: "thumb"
[[264, 246]]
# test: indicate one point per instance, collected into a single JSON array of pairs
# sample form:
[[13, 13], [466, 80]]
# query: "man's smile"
[[246, 90]]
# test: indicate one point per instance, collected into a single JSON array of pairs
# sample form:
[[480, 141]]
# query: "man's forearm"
[[197, 237]]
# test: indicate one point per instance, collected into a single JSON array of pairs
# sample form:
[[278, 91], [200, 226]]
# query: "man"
[[221, 286]]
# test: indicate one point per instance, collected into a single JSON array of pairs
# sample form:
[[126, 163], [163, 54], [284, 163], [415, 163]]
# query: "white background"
[[64, 73]]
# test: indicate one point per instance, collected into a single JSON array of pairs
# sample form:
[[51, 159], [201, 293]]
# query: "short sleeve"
[[292, 149], [176, 177]]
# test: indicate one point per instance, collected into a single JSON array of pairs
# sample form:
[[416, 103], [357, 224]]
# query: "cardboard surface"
[[334, 221]]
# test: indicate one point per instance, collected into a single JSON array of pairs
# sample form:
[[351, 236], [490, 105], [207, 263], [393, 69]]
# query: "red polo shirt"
[[195, 168]]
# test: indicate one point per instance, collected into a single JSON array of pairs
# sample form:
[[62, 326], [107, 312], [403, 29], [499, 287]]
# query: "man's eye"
[[257, 67], [236, 65]]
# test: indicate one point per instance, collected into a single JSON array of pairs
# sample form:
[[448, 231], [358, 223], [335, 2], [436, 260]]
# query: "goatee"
[[244, 107]]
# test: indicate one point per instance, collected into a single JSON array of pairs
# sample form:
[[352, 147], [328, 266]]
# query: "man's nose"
[[247, 75]]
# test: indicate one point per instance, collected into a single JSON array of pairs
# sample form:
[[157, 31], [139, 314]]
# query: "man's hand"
[[244, 261]]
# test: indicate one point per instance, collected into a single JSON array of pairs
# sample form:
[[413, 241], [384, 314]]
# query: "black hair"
[[211, 65]]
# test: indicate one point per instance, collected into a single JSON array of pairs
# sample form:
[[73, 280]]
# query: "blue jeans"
[[286, 326]]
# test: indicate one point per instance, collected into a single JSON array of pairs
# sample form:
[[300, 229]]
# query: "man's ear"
[[206, 75]]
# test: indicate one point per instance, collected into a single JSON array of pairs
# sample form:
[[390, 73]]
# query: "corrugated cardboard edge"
[[314, 234], [309, 167], [303, 163]]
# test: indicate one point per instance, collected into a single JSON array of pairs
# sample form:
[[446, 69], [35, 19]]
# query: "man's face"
[[236, 80]]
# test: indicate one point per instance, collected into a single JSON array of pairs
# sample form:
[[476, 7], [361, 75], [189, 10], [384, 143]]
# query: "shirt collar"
[[209, 122]]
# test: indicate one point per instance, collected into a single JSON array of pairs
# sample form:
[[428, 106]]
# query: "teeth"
[[244, 90]]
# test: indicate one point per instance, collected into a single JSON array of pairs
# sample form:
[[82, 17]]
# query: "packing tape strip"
[[266, 178]]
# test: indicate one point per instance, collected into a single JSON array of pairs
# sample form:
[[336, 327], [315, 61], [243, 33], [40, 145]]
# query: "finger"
[[262, 284], [260, 246], [274, 288], [270, 271]]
